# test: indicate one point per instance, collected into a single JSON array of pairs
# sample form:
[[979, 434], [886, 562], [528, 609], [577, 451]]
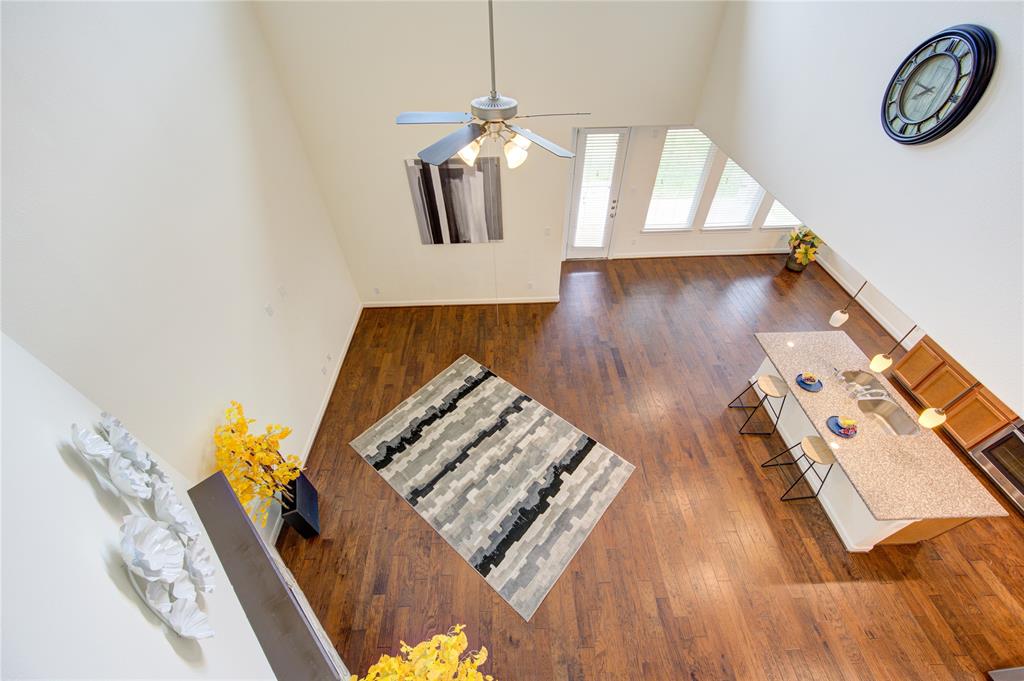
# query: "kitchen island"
[[894, 482]]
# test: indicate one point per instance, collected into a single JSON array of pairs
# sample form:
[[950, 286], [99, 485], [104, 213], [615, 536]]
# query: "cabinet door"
[[941, 386], [975, 417], [915, 366]]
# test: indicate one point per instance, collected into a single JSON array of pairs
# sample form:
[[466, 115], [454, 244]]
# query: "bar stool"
[[771, 386], [817, 451]]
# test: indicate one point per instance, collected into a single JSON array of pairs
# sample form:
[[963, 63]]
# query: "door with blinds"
[[600, 153]]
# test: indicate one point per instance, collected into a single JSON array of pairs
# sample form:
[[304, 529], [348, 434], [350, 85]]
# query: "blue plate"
[[809, 387], [833, 425]]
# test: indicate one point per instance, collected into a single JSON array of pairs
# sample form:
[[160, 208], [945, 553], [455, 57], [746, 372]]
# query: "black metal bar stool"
[[817, 451], [771, 386]]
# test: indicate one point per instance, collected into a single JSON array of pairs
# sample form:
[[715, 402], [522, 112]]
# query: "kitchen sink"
[[873, 398]]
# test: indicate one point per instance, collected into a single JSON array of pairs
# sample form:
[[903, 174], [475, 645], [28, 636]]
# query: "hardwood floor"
[[697, 570]]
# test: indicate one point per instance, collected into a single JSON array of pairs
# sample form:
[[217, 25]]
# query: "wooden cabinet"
[[975, 417], [941, 386], [917, 364], [935, 379]]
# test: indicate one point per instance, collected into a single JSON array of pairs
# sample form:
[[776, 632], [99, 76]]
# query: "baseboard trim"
[[463, 301], [699, 252], [335, 370], [275, 528]]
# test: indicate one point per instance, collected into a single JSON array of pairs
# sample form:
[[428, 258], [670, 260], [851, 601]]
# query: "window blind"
[[736, 199], [599, 155], [676, 187], [779, 216]]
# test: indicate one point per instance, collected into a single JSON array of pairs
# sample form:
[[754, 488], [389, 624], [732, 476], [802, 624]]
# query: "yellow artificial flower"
[[805, 254], [438, 659], [803, 235], [253, 464]]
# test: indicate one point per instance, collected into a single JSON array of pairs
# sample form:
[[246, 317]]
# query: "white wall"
[[350, 68], [794, 95], [640, 169], [68, 608], [894, 320], [157, 201]]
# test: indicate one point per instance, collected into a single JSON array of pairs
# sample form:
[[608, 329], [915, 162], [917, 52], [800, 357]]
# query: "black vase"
[[793, 264], [302, 512]]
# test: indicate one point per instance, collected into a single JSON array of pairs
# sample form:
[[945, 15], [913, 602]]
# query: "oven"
[[1002, 458]]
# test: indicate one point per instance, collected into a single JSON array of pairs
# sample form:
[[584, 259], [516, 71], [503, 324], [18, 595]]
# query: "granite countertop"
[[899, 477]]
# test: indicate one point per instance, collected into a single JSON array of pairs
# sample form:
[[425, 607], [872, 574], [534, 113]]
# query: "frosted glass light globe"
[[469, 152], [838, 318], [515, 155], [880, 363], [521, 141], [932, 417]]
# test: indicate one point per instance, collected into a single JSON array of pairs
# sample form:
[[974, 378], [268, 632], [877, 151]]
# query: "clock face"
[[938, 84]]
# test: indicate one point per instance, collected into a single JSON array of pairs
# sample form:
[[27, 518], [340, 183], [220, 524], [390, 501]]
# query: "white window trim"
[[770, 199], [761, 214], [757, 217], [701, 186]]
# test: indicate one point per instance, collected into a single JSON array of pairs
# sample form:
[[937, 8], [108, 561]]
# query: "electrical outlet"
[[529, 284], [632, 242], [282, 291], [269, 309], [376, 291], [329, 357], [323, 370], [547, 231]]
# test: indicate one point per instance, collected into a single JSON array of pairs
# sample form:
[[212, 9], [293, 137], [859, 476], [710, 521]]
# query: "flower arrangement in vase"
[[803, 249], [253, 464], [438, 659]]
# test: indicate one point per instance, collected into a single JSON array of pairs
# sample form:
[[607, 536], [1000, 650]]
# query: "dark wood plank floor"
[[697, 570]]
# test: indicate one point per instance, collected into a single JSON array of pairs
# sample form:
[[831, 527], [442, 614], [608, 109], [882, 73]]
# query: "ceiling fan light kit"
[[469, 152], [490, 120], [515, 155]]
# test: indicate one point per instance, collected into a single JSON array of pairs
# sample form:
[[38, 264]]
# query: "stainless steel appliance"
[[1002, 458]]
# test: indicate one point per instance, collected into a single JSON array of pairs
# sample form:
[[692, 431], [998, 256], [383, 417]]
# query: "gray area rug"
[[510, 485]]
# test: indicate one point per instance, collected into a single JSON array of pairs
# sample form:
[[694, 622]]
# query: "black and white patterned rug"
[[509, 484]]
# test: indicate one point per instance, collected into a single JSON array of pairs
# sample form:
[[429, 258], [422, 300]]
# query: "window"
[[677, 186], [736, 199], [779, 216]]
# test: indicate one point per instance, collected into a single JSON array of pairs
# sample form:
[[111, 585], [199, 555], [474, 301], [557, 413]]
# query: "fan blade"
[[540, 141], [442, 150], [415, 117], [576, 113]]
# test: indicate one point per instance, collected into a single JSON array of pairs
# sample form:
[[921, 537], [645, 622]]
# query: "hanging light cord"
[[900, 341], [497, 304], [960, 396], [855, 296]]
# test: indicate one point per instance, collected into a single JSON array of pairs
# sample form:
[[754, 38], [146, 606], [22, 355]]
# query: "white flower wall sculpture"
[[170, 510], [165, 562], [151, 550]]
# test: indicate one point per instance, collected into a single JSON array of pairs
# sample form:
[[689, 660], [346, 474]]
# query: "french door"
[[600, 153]]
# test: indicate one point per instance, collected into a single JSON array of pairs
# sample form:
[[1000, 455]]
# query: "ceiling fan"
[[490, 120]]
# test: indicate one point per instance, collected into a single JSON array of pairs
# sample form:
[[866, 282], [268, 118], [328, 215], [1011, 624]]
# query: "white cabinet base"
[[858, 529]]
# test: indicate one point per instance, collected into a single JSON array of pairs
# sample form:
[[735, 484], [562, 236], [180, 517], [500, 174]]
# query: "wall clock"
[[938, 84]]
